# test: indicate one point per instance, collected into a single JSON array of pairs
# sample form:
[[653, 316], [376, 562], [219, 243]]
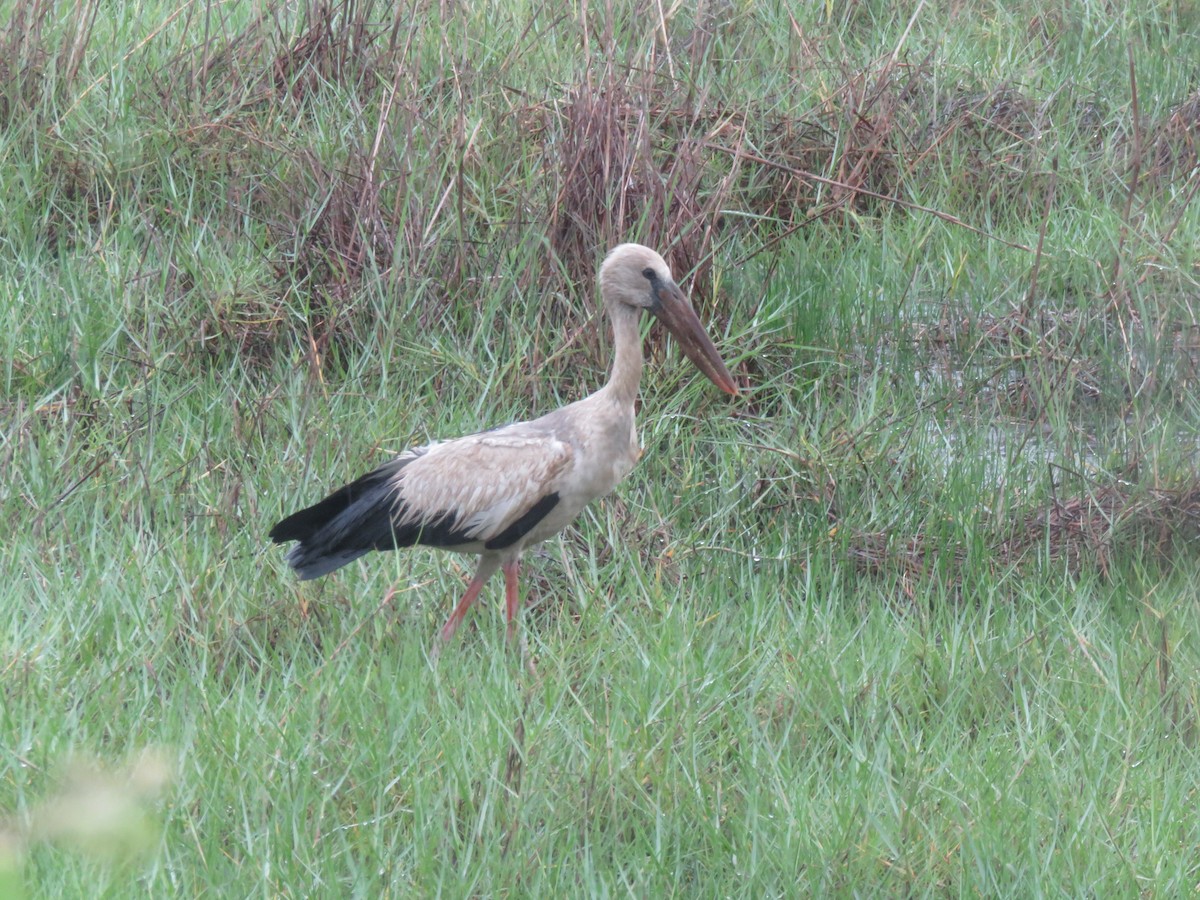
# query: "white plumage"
[[499, 491]]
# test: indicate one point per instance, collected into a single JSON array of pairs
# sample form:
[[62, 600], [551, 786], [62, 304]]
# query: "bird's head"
[[636, 276]]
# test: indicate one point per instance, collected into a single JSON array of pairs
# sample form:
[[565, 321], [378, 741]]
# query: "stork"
[[498, 492]]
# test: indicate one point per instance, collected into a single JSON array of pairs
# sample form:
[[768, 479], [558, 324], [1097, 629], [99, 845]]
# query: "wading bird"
[[497, 492]]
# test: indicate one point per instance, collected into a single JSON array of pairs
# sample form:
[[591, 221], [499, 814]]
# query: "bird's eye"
[[649, 273]]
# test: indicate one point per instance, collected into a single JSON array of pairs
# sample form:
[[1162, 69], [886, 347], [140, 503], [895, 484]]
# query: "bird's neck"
[[627, 358]]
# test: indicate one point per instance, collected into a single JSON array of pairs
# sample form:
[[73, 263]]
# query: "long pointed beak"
[[677, 314]]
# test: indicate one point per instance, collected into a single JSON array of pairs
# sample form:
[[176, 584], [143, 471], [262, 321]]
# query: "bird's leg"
[[464, 604], [512, 604], [512, 599]]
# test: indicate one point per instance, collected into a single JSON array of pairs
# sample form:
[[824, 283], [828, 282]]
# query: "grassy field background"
[[916, 615]]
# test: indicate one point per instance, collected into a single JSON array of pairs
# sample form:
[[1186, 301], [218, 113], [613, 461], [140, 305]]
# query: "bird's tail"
[[353, 520]]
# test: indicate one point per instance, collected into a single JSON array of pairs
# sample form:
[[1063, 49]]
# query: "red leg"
[[512, 599], [486, 568]]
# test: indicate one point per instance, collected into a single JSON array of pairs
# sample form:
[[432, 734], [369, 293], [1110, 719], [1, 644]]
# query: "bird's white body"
[[491, 479], [497, 492]]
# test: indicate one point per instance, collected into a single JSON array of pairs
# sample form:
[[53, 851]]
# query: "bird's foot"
[[435, 649], [520, 645]]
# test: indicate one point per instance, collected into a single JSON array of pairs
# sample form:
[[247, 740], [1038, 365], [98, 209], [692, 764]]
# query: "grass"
[[917, 615]]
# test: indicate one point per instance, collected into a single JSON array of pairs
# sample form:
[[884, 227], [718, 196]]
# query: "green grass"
[[916, 615]]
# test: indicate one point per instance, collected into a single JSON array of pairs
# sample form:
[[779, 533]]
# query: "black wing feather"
[[525, 524], [303, 525]]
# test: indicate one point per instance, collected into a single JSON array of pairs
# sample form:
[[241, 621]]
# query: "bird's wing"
[[491, 487]]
